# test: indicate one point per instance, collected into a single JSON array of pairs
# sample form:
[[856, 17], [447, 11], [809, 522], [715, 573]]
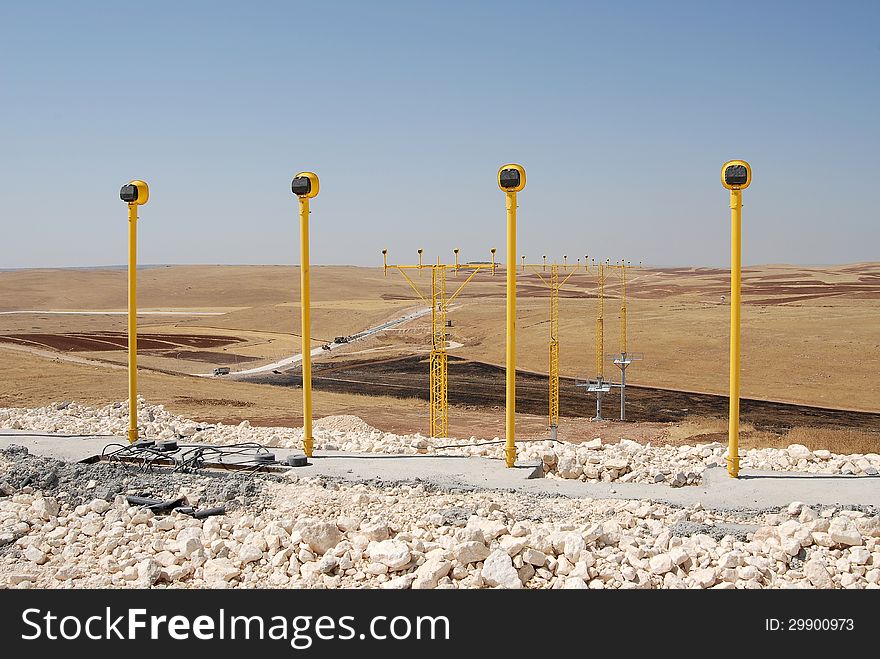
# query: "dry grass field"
[[810, 336]]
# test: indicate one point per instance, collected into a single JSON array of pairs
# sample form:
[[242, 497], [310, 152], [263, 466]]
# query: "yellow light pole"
[[135, 193], [511, 179], [305, 186], [736, 175]]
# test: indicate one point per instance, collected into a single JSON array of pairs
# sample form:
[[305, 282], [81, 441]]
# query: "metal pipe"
[[308, 441], [132, 323], [510, 424], [735, 289]]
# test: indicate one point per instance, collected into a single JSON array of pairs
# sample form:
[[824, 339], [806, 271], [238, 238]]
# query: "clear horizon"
[[622, 116], [117, 266]]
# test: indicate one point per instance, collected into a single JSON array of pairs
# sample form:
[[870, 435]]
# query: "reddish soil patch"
[[107, 341]]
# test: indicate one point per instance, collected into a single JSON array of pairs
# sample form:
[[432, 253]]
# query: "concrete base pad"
[[753, 490]]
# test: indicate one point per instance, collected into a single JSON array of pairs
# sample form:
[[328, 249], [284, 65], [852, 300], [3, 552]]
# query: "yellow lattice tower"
[[439, 304], [554, 346], [554, 284], [624, 358], [623, 266], [439, 373]]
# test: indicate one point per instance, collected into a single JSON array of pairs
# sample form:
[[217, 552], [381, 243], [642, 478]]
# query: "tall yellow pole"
[[305, 306], [736, 176], [600, 323], [132, 323], [511, 179], [510, 425], [735, 285], [134, 193], [305, 186]]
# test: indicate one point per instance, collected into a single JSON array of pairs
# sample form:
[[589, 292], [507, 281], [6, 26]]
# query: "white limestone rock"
[[392, 553], [249, 554], [869, 526], [471, 552], [844, 532], [430, 572], [661, 564], [148, 571], [817, 574], [574, 546], [534, 557], [35, 555], [575, 583], [219, 570], [320, 536], [45, 508], [498, 571]]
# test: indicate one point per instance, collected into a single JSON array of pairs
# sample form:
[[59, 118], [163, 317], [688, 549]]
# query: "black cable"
[[187, 458]]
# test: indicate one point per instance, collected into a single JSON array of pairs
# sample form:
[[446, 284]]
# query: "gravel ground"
[[63, 525]]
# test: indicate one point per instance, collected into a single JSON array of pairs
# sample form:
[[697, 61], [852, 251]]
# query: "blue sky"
[[621, 112]]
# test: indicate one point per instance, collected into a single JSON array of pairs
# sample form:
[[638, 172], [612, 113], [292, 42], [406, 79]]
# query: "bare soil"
[[810, 340]]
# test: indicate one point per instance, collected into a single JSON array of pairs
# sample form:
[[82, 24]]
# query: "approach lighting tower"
[[440, 303], [623, 358], [554, 283], [600, 386]]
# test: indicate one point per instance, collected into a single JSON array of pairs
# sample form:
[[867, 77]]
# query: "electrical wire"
[[188, 458]]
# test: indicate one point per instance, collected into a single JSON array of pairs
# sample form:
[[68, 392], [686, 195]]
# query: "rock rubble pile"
[[321, 534], [625, 461]]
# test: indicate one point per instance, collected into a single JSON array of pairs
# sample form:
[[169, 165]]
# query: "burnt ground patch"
[[480, 385]]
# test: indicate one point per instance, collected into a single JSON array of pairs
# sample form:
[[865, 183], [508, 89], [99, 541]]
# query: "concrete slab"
[[754, 490], [60, 447]]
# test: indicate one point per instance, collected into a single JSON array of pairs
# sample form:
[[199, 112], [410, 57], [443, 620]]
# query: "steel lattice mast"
[[554, 347], [624, 358], [440, 303], [439, 373], [554, 283], [600, 323]]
